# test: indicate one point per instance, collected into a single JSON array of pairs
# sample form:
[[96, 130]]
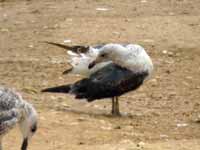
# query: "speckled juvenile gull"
[[14, 110]]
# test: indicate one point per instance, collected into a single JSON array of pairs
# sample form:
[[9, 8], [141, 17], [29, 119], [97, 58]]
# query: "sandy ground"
[[162, 115]]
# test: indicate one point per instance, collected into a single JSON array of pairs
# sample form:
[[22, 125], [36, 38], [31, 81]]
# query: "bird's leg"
[[117, 112], [1, 148], [115, 106]]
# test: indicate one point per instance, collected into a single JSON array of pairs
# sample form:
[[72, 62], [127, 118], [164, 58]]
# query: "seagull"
[[126, 69], [14, 110]]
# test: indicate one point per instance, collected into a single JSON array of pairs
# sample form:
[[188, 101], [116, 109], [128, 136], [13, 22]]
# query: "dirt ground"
[[164, 114]]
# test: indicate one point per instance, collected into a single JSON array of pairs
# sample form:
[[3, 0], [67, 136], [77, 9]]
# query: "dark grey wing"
[[110, 81], [75, 48], [8, 120]]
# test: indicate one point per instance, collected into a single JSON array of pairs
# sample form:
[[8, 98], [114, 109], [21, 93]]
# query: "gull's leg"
[[115, 106], [117, 112], [1, 148]]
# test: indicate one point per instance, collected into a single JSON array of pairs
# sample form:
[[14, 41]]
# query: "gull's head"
[[28, 124], [110, 52]]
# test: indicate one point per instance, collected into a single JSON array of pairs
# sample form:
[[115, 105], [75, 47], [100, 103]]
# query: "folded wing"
[[8, 120], [112, 80]]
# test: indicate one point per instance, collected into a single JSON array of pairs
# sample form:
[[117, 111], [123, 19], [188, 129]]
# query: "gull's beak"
[[24, 144], [67, 71], [92, 64]]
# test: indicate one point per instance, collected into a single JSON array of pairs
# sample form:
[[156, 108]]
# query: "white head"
[[132, 57], [110, 52], [28, 124]]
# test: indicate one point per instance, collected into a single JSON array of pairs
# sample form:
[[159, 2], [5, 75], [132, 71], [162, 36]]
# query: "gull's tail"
[[58, 89], [76, 48]]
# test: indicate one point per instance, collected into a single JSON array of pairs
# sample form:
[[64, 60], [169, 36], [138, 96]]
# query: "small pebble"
[[102, 9], [141, 144], [30, 46], [182, 125], [67, 41], [117, 127], [164, 51], [81, 143], [164, 136]]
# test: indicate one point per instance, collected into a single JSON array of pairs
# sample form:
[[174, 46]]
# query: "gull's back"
[[8, 99]]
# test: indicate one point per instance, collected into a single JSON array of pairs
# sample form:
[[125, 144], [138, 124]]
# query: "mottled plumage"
[[14, 110]]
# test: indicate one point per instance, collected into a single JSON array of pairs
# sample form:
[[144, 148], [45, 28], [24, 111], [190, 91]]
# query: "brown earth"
[[162, 115]]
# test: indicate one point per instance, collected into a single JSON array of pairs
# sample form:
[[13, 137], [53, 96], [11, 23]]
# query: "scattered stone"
[[117, 127], [197, 120], [102, 9], [182, 125], [140, 144], [31, 46], [67, 41], [81, 143], [170, 54], [164, 51], [154, 82], [168, 71], [164, 136]]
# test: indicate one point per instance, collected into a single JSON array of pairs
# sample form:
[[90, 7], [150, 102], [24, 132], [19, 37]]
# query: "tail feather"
[[60, 45], [76, 48], [58, 89]]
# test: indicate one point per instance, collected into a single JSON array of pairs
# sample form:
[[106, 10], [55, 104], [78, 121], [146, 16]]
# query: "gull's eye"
[[103, 55], [34, 128]]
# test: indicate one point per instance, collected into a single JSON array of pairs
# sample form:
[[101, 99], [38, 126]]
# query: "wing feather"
[[76, 48], [110, 81], [8, 120]]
